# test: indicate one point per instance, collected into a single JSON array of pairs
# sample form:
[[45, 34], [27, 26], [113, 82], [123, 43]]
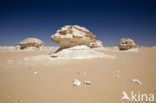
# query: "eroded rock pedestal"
[[76, 43]]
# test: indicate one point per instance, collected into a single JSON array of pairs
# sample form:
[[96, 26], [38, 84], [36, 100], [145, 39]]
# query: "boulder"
[[72, 35], [31, 43], [126, 43]]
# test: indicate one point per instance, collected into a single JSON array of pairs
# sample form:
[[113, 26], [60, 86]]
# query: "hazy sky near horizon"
[[109, 20]]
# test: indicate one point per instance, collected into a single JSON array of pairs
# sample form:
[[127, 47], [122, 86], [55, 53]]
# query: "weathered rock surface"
[[126, 43], [96, 44], [31, 43], [72, 35]]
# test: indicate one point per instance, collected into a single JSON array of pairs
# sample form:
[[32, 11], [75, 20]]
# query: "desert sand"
[[25, 79]]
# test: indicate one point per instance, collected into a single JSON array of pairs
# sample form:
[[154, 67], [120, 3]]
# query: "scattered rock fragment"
[[35, 73], [87, 82], [137, 81], [76, 82]]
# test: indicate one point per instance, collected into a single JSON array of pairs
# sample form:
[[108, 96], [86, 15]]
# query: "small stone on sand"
[[76, 82], [35, 73], [87, 82], [137, 81]]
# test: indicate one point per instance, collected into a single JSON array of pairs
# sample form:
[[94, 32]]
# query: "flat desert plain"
[[24, 79]]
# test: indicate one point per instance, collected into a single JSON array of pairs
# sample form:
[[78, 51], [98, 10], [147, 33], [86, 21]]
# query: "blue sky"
[[109, 20]]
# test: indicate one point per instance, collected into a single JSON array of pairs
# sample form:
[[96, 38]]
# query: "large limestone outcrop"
[[126, 43], [72, 35], [31, 43]]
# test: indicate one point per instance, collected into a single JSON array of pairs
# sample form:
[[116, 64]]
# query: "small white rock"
[[35, 73], [76, 82], [87, 82], [137, 81]]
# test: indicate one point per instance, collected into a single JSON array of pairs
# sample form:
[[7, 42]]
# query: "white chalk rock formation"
[[72, 35], [79, 52], [126, 43], [31, 43]]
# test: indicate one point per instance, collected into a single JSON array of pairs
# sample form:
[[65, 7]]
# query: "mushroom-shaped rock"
[[126, 43], [72, 35], [31, 43]]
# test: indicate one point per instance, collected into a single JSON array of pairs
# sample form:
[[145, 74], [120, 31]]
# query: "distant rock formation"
[[72, 35], [30, 43], [126, 43]]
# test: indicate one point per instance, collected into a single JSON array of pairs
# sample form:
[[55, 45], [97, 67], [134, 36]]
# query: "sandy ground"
[[53, 82]]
